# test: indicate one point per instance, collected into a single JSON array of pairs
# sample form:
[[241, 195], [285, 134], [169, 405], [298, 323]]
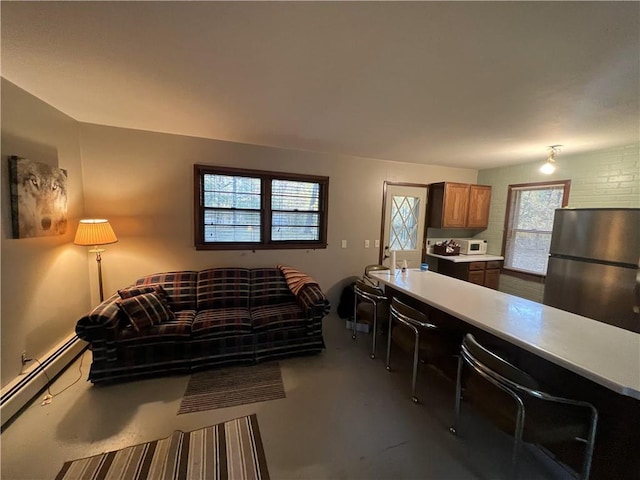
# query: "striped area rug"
[[230, 450], [233, 386]]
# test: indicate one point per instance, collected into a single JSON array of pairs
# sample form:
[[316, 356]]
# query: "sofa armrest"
[[100, 327], [313, 301]]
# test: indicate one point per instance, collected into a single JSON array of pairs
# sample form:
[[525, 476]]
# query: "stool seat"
[[516, 403], [429, 342], [373, 306]]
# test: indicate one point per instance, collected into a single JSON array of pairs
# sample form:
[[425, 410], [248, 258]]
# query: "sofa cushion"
[[180, 287], [145, 310], [284, 342], [223, 288], [221, 321], [284, 315], [177, 329], [268, 287]]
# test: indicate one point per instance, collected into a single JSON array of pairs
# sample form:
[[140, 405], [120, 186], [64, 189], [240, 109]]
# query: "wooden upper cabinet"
[[458, 205], [479, 203]]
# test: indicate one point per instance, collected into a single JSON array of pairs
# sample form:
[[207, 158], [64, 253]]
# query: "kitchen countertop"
[[467, 258], [598, 351]]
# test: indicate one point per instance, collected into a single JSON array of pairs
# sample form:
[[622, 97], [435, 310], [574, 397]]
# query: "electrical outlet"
[[344, 244], [366, 244], [376, 243], [24, 358]]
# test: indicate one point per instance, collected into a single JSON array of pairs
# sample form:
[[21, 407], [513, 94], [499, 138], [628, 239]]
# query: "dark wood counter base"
[[618, 434]]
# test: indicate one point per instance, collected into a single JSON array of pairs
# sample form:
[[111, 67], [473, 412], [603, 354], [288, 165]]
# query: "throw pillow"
[[145, 310], [140, 289]]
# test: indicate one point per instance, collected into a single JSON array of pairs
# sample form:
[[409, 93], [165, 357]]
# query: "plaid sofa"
[[220, 316]]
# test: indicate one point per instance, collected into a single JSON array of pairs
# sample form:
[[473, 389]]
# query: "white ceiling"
[[465, 84]]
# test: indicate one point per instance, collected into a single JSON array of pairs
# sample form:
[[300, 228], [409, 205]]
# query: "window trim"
[[530, 276], [265, 176]]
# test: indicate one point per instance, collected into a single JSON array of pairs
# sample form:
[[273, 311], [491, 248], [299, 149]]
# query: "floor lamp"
[[95, 232]]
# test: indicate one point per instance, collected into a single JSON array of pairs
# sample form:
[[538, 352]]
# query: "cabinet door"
[[456, 203], [492, 278], [479, 203], [476, 276]]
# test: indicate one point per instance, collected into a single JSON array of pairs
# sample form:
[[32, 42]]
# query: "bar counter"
[[607, 355]]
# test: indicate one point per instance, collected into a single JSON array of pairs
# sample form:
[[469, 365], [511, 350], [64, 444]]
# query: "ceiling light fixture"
[[549, 166]]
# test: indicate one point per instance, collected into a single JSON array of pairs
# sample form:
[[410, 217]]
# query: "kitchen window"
[[528, 225], [253, 209]]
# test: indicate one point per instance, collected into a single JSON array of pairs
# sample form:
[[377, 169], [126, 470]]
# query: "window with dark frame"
[[254, 209], [528, 225]]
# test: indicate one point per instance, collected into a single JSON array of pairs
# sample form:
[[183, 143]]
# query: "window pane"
[[404, 223], [537, 209], [295, 226], [231, 226], [530, 225], [529, 251], [226, 191], [294, 205], [292, 196]]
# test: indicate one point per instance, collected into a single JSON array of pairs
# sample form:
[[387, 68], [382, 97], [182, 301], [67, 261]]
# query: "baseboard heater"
[[17, 394]]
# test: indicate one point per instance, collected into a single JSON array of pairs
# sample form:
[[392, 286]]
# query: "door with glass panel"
[[403, 224]]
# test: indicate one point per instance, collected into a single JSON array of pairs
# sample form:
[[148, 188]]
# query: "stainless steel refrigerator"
[[594, 267]]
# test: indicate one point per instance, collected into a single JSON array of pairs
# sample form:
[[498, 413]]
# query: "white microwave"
[[472, 246]]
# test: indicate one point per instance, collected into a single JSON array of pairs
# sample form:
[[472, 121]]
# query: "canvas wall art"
[[38, 198]]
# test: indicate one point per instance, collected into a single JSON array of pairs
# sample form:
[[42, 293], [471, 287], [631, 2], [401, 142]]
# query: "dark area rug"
[[229, 387], [228, 450]]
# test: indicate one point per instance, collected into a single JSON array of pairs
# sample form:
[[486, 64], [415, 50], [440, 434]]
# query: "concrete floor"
[[345, 417]]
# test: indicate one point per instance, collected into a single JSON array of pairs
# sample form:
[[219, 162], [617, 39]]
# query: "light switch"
[[376, 243], [366, 244], [344, 244]]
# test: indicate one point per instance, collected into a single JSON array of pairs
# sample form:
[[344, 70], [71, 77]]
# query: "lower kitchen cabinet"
[[486, 274], [492, 277]]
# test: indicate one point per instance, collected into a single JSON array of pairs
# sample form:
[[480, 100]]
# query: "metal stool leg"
[[456, 417], [375, 329], [588, 453], [355, 315], [517, 441], [388, 367], [416, 352]]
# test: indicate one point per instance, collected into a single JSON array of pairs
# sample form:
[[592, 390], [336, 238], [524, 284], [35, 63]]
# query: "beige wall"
[[44, 280], [143, 183], [602, 178]]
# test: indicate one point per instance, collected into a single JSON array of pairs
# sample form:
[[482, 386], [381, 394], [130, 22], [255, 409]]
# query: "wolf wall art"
[[38, 198]]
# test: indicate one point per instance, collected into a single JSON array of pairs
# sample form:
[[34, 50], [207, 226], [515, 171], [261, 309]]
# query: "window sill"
[[260, 246], [530, 277]]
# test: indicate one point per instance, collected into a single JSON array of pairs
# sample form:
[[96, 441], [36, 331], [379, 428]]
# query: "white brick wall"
[[521, 288], [604, 178]]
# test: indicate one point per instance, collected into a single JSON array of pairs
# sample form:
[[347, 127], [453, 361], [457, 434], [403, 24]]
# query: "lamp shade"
[[93, 232]]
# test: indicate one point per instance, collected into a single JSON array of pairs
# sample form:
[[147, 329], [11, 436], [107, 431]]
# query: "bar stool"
[[548, 418], [373, 304], [373, 268], [416, 321]]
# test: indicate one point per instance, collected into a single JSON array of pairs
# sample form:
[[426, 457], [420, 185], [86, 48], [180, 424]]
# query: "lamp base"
[[98, 251]]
